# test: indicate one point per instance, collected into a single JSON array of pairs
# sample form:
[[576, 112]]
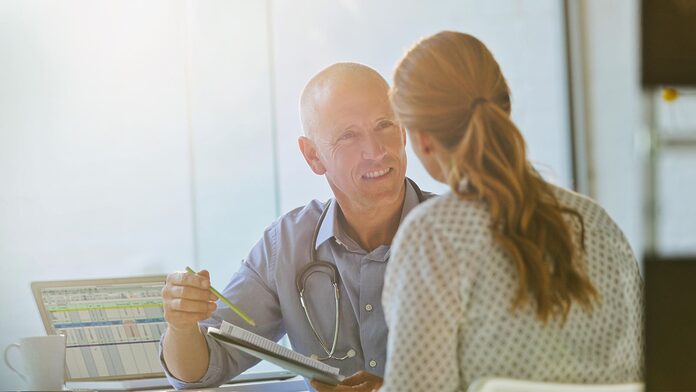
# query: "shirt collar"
[[331, 227]]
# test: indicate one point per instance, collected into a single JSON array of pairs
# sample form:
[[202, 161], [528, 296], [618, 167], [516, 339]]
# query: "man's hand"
[[361, 381], [187, 300]]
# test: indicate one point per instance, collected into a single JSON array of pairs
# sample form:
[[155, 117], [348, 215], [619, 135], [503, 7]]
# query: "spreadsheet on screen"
[[112, 330]]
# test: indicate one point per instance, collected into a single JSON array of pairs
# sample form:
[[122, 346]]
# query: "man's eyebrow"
[[346, 128], [337, 133], [380, 120]]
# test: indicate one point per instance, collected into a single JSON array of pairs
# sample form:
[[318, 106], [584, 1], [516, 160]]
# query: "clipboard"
[[286, 363]]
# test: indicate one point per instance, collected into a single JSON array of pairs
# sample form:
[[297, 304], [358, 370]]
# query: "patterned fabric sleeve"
[[422, 309]]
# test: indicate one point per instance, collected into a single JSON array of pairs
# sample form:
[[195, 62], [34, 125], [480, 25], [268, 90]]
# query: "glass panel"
[[229, 97], [677, 210]]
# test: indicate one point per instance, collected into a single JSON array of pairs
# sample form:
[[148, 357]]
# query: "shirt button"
[[373, 363], [368, 307]]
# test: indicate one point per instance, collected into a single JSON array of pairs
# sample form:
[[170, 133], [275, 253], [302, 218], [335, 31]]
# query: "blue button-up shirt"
[[265, 288]]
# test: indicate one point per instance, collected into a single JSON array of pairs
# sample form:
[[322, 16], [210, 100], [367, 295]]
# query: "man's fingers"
[[189, 306], [170, 292], [188, 279], [357, 378], [187, 299], [177, 318], [359, 382], [362, 379], [321, 387], [190, 293]]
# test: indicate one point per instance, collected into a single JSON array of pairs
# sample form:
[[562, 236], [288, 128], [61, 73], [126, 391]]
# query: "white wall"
[[94, 152], [230, 106]]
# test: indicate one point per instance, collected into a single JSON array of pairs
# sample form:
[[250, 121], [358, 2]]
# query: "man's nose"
[[373, 148]]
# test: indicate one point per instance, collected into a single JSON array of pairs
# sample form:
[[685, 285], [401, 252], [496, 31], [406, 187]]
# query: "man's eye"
[[384, 124], [346, 136]]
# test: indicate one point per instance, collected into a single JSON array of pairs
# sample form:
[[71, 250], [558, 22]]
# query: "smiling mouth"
[[377, 173]]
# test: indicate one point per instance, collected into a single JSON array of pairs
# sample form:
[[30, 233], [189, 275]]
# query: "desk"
[[295, 384]]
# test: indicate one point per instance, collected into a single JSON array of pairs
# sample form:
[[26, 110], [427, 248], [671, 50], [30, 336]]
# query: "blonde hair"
[[450, 86]]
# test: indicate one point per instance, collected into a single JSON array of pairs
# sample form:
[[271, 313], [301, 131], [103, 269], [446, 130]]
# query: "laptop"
[[112, 329], [670, 328]]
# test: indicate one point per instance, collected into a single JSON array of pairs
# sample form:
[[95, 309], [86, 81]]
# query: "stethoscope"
[[318, 266]]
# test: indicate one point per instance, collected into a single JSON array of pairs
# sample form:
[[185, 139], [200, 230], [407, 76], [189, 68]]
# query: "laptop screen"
[[112, 326]]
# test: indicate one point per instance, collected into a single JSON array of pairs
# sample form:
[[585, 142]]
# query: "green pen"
[[227, 302]]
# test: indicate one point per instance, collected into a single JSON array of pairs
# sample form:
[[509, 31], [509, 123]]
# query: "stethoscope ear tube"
[[303, 275]]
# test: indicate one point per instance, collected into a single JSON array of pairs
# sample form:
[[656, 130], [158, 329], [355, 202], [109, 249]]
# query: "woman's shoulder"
[[449, 219], [447, 207], [593, 214]]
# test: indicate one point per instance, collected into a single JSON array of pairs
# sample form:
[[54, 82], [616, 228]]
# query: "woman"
[[506, 275]]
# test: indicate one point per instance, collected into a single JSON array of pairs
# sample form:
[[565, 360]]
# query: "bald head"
[[330, 82]]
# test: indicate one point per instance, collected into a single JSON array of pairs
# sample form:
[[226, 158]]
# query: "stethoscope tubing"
[[315, 266]]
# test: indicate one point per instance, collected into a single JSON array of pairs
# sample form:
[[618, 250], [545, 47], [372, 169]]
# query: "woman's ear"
[[423, 141], [310, 154]]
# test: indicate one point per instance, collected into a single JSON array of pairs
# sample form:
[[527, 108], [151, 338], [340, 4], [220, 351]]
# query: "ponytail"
[[450, 86], [526, 217]]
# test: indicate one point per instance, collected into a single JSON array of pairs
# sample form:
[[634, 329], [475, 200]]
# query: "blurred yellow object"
[[670, 94]]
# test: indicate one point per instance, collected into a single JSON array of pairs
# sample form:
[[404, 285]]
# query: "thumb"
[[204, 273]]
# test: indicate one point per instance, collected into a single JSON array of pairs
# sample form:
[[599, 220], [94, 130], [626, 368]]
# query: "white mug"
[[42, 362]]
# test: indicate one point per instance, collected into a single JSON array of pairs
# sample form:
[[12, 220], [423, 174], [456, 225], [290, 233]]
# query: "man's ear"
[[309, 152], [403, 134]]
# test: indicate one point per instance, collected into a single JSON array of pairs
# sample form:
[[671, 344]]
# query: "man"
[[351, 138]]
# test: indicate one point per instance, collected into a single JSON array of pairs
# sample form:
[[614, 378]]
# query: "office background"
[[139, 137]]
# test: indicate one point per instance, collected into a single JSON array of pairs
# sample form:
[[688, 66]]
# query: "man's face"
[[359, 145]]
